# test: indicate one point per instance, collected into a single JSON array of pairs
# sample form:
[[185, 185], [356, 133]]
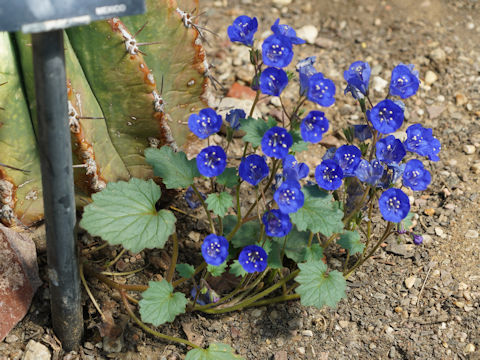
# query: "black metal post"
[[58, 192]]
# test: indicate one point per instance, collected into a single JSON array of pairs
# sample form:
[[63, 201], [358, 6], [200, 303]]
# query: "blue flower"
[[233, 118], [277, 51], [253, 258], [211, 161], [205, 123], [362, 132], [190, 198], [390, 150], [287, 31], [386, 116], [357, 77], [329, 175], [417, 239], [273, 81], [276, 142], [394, 205], [289, 197], [369, 172], [404, 81], [253, 169], [215, 249], [313, 126], [305, 70], [206, 295], [348, 157], [391, 175], [293, 170], [276, 223], [321, 90], [415, 176], [421, 141], [243, 29]]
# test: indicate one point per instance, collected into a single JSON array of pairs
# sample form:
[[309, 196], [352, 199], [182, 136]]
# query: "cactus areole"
[[54, 141]]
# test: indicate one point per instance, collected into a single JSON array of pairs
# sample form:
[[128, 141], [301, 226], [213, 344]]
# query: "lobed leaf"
[[215, 351], [185, 270], [219, 203], [350, 240]]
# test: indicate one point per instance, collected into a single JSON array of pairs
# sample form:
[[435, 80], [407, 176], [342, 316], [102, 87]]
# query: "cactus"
[[131, 83]]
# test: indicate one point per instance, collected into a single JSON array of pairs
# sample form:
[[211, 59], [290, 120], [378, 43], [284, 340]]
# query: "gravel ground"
[[409, 302]]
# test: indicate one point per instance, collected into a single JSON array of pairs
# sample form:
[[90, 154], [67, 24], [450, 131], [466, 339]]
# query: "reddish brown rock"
[[241, 92], [18, 277]]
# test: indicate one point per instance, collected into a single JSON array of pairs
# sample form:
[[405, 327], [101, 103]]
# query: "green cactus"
[[120, 102]]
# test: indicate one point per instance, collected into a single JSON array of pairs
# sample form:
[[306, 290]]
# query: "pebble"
[[275, 101], [379, 84], [430, 77], [257, 313], [301, 350], [469, 149], [274, 315], [429, 211], [389, 330], [343, 324], [439, 231], [475, 168], [281, 355], [460, 99], [438, 55], [410, 281], [36, 351], [308, 33], [11, 339], [282, 2], [471, 234], [469, 348], [308, 333]]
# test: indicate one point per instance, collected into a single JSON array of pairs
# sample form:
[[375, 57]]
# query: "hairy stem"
[[173, 262]]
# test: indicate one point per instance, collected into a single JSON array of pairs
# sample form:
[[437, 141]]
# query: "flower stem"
[[274, 300], [151, 331], [173, 262], [209, 216]]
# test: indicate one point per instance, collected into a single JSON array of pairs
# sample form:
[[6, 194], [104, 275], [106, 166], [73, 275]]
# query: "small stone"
[[282, 2], [195, 236], [308, 333], [438, 55], [389, 330], [379, 84], [471, 234], [11, 339], [392, 354], [435, 111], [429, 211], [301, 350], [275, 101], [36, 351], [274, 315], [469, 149], [325, 43], [343, 323], [475, 168], [410, 281], [439, 231], [308, 33], [398, 309], [469, 348], [281, 355], [460, 99], [430, 77], [257, 313], [459, 304]]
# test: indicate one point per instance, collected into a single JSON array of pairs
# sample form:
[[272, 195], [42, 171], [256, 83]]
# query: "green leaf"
[[271, 122], [296, 243], [254, 130], [124, 213], [237, 269], [160, 304], [319, 213], [185, 270], [228, 177], [317, 288], [274, 252], [298, 144], [313, 253], [217, 270], [350, 240], [247, 234], [173, 167], [219, 203], [215, 351], [408, 221]]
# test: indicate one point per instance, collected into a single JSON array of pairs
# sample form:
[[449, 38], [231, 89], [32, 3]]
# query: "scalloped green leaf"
[[254, 130], [217, 270], [313, 253], [160, 304], [274, 252], [319, 213], [237, 269], [296, 243], [350, 240], [228, 177], [317, 288], [298, 144], [247, 234], [185, 270], [173, 167], [124, 213], [215, 351], [219, 203]]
